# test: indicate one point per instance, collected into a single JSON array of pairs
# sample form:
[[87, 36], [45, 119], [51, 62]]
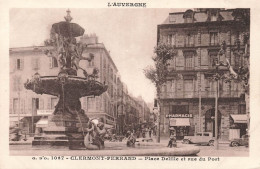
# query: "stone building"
[[189, 94], [131, 111]]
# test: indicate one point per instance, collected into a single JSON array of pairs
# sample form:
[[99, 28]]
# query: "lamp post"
[[217, 77]]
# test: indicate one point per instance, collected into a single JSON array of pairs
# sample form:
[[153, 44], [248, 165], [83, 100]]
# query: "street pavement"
[[24, 148]]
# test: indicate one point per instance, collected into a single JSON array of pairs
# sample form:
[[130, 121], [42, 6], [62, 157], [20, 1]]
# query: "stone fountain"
[[67, 123]]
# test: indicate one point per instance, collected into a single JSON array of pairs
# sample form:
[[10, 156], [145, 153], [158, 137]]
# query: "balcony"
[[204, 94]]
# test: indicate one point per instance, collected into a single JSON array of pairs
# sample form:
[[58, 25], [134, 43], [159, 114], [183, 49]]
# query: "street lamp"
[[217, 76]]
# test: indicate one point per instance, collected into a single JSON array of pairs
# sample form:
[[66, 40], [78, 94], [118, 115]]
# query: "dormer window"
[[213, 18], [214, 15], [188, 16]]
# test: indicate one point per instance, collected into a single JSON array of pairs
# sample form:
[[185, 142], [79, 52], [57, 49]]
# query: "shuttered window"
[[189, 40], [19, 64], [53, 62], [214, 38]]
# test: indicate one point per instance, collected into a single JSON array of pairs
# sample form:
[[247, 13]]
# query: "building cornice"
[[230, 23]]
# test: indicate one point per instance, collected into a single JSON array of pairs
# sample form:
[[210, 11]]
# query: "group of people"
[[145, 132]]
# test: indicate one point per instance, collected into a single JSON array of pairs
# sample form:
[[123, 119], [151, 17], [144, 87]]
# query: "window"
[[188, 16], [188, 88], [189, 40], [188, 62], [35, 105], [171, 39], [213, 17], [19, 64], [179, 109], [53, 62], [213, 38], [188, 85], [54, 102], [213, 56]]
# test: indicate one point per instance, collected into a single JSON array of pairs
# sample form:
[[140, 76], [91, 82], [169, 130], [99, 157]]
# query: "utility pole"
[[216, 114], [200, 108], [19, 105]]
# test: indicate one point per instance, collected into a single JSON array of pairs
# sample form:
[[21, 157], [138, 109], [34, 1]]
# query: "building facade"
[[189, 94], [30, 110]]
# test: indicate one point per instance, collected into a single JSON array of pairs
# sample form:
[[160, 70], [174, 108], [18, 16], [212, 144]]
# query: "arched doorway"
[[210, 121]]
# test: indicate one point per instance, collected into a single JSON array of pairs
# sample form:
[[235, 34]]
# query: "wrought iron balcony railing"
[[204, 94]]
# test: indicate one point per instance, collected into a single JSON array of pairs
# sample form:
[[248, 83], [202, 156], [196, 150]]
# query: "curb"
[[21, 143]]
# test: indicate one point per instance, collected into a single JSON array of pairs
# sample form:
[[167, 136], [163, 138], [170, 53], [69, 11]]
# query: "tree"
[[158, 73]]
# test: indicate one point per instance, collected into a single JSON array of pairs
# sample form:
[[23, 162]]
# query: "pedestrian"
[[154, 131], [138, 133], [143, 133], [131, 140], [150, 132], [172, 141]]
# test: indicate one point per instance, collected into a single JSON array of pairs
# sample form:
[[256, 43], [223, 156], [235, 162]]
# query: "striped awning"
[[42, 122], [239, 118]]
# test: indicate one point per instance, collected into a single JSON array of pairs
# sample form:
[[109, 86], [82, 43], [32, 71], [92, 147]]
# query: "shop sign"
[[178, 115]]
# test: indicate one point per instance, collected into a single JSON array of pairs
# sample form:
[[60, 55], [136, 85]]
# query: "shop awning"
[[42, 123], [179, 122], [239, 118]]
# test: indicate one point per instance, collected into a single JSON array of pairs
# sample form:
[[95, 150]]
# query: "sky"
[[129, 34]]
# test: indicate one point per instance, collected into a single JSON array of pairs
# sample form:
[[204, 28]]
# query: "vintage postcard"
[[119, 84]]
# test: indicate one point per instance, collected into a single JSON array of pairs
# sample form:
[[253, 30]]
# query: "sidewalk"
[[22, 142]]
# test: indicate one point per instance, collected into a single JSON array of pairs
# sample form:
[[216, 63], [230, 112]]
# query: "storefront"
[[238, 125], [180, 123], [41, 125]]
